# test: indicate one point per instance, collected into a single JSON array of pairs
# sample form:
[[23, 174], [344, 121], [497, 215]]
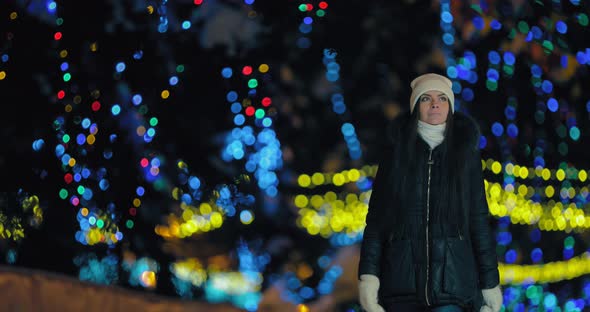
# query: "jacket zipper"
[[430, 162]]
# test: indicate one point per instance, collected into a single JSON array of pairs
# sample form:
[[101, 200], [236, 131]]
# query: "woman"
[[427, 244]]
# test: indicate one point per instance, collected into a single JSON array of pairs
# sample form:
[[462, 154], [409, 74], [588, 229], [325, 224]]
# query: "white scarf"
[[432, 134]]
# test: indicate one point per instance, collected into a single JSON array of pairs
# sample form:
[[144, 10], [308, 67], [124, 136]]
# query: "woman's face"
[[434, 107]]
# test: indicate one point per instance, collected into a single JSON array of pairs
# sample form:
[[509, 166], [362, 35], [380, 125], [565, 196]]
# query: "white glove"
[[368, 291], [492, 299]]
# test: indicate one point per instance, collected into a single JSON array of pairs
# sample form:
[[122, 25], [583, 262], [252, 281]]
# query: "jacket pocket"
[[460, 272], [398, 276]]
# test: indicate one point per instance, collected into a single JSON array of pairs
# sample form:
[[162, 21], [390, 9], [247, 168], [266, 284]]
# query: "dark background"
[[381, 46]]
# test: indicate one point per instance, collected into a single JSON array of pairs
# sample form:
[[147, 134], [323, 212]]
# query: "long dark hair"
[[448, 206]]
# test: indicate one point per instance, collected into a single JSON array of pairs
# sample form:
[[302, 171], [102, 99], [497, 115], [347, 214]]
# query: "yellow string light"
[[192, 220], [545, 273], [190, 270], [336, 178], [552, 216], [328, 214], [522, 172]]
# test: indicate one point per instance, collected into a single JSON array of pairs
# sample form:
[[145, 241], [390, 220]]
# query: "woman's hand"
[[368, 290]]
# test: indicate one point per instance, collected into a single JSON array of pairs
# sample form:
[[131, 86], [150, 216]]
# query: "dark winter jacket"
[[419, 257]]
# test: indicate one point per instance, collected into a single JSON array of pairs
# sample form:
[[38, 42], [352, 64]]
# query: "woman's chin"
[[435, 121]]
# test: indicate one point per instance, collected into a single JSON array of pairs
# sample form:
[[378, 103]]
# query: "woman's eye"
[[425, 98], [443, 98]]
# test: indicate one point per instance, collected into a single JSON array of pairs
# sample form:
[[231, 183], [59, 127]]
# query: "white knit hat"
[[429, 82]]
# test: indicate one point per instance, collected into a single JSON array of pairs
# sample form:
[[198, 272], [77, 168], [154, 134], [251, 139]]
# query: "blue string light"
[[339, 106]]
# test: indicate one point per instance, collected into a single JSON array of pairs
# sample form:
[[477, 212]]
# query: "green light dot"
[[583, 19], [547, 46], [259, 113], [129, 224], [320, 13], [492, 85], [565, 184], [67, 77], [531, 292], [100, 224], [160, 184], [539, 291], [302, 7], [180, 68], [508, 69], [477, 8], [574, 133], [512, 34], [59, 21], [143, 109], [63, 193], [569, 242], [562, 148], [81, 189], [523, 27], [252, 83], [153, 121], [66, 138]]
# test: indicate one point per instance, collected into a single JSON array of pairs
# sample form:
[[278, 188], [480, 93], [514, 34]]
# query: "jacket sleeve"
[[482, 237], [371, 243]]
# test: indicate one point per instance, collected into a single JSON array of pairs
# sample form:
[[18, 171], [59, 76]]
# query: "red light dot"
[[57, 35], [95, 106], [250, 111], [198, 2], [247, 70], [61, 94], [132, 211], [144, 162], [266, 101], [323, 5], [68, 178], [309, 6]]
